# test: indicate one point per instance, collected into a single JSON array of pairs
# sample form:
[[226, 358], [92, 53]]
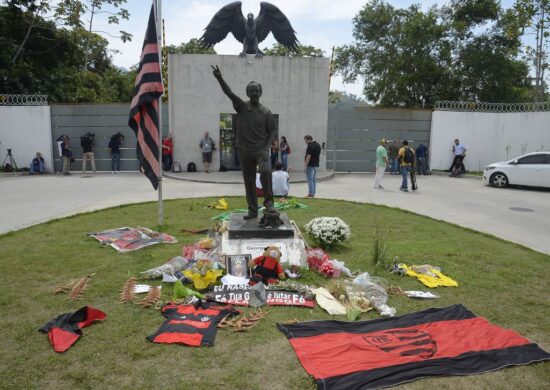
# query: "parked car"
[[532, 169]]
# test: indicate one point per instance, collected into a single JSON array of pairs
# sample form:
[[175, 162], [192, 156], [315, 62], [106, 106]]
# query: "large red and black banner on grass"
[[390, 351], [144, 110]]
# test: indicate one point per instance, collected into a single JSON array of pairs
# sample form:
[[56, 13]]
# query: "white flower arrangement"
[[328, 231]]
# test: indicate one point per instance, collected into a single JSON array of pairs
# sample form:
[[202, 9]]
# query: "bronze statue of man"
[[255, 131]]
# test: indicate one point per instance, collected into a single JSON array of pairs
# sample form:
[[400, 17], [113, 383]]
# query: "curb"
[[329, 176], [466, 176]]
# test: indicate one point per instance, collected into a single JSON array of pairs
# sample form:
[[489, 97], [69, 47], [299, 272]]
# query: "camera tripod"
[[11, 160]]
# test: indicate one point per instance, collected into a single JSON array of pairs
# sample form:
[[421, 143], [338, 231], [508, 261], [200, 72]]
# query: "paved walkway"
[[28, 200]]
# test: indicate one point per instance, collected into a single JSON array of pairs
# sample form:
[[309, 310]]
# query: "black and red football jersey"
[[193, 325], [64, 330]]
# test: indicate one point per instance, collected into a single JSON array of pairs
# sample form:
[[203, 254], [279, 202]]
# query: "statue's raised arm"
[[237, 101], [218, 75]]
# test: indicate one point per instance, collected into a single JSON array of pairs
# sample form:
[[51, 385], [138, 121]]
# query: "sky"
[[319, 23]]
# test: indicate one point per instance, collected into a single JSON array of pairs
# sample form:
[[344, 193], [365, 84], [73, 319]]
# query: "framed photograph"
[[237, 265]]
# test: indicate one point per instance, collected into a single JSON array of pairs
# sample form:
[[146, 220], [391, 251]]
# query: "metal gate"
[[354, 134], [104, 120]]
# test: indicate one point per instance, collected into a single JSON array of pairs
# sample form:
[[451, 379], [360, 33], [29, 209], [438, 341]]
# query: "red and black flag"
[[390, 351], [144, 111]]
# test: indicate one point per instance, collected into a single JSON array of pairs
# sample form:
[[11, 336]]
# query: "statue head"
[[250, 17], [254, 91]]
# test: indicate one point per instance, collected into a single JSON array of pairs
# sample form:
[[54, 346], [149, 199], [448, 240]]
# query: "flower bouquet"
[[328, 232]]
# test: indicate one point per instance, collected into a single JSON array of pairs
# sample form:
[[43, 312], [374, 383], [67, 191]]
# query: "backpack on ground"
[[191, 167], [176, 167], [408, 156]]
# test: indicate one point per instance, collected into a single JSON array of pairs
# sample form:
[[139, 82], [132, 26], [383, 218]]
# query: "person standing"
[[285, 151], [422, 160], [167, 152], [393, 156], [87, 141], [274, 152], [407, 162], [311, 162], [207, 146], [457, 167], [381, 163], [67, 154], [37, 164], [114, 144]]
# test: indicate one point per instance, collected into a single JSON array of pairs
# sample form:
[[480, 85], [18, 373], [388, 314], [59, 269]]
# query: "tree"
[[75, 14], [401, 53], [191, 47], [533, 18], [51, 60], [343, 99], [303, 51], [463, 51]]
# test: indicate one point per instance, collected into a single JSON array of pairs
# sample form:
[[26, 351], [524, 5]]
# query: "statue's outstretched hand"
[[216, 71]]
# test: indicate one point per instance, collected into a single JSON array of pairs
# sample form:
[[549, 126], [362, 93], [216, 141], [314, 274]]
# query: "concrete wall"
[[489, 137], [26, 130], [294, 88], [355, 133]]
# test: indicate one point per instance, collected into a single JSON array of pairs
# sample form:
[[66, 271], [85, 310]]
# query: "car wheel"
[[499, 180]]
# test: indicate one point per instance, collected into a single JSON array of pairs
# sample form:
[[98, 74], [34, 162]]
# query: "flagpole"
[[158, 19]]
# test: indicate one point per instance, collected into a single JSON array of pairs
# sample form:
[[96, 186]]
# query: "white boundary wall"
[[295, 88], [26, 130], [489, 137]]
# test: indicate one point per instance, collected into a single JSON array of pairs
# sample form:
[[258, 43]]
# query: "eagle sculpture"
[[249, 31]]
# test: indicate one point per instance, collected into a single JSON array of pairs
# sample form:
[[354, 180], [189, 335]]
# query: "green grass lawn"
[[504, 282]]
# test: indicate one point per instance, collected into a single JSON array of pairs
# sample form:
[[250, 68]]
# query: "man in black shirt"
[[87, 142], [255, 132], [311, 161]]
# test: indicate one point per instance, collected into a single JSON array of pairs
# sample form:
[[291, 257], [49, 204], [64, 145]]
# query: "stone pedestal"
[[240, 228], [247, 237]]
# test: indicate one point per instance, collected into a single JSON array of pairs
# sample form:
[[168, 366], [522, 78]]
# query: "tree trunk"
[[88, 37], [27, 35]]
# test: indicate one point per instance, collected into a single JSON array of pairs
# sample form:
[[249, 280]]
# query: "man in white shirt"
[[459, 151], [280, 180]]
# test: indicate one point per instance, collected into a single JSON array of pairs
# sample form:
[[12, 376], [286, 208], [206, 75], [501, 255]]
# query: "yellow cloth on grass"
[[221, 204], [202, 281], [431, 281]]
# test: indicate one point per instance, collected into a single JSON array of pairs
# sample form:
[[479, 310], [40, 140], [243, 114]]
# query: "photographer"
[[87, 141], [114, 145], [67, 155]]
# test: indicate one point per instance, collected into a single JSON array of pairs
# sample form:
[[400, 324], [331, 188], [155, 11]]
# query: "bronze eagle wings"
[[249, 31]]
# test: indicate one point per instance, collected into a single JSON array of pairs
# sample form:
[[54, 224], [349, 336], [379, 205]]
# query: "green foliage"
[[532, 18], [343, 99], [191, 47], [464, 51], [379, 251], [303, 51], [50, 61]]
